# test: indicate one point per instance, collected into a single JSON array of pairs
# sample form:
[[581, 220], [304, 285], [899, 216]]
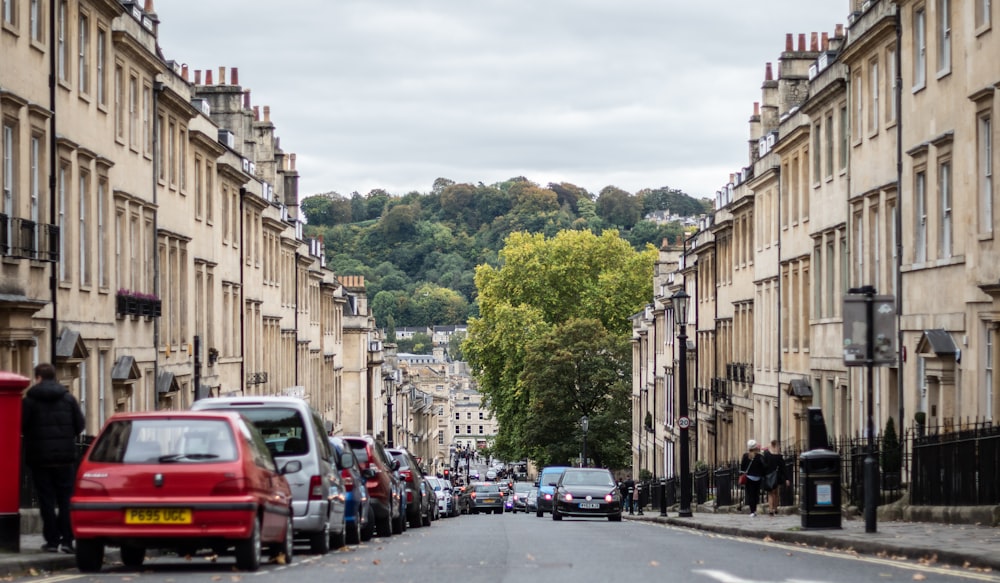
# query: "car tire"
[[555, 514], [539, 513], [498, 511], [319, 542], [248, 551], [339, 539], [615, 517], [415, 519], [287, 546], [89, 555], [428, 517], [399, 524], [132, 556], [368, 531], [353, 535]]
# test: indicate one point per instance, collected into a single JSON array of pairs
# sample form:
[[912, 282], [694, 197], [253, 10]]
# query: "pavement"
[[962, 545]]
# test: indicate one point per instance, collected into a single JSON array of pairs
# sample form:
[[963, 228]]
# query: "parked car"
[[587, 492], [486, 498], [519, 499], [432, 499], [445, 498], [531, 504], [418, 504], [547, 488], [358, 509], [384, 491], [463, 498], [293, 431], [181, 481]]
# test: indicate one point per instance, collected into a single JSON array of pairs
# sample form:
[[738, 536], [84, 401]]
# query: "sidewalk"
[[959, 545], [32, 558]]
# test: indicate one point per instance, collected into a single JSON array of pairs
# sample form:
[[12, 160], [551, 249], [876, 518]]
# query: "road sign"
[[684, 422]]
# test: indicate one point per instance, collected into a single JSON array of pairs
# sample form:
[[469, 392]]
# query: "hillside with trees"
[[418, 252]]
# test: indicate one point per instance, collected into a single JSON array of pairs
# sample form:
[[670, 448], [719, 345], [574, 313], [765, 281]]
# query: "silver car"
[[293, 431]]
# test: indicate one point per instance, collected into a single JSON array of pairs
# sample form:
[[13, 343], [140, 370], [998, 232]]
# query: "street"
[[493, 549]]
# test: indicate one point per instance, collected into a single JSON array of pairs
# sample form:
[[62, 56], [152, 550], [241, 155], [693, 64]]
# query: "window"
[[944, 36], [8, 12], [873, 87], [920, 217], [35, 184], [147, 119], [102, 53], [8, 173], [944, 188], [198, 202], [172, 150], [35, 20], [828, 153], [63, 225], [919, 48], [985, 147], [983, 10], [61, 50], [890, 83], [817, 140], [844, 136], [480, 414], [831, 275], [859, 106], [480, 430], [83, 250], [102, 269], [859, 247], [83, 66], [119, 103], [468, 429], [133, 112], [988, 369]]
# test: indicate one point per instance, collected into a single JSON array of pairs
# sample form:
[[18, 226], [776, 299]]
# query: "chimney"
[[291, 161], [756, 109], [814, 42], [838, 32], [825, 41], [768, 74], [197, 77], [234, 76], [267, 113], [222, 75], [208, 76], [789, 43], [184, 71], [802, 42], [148, 7], [246, 98], [256, 113]]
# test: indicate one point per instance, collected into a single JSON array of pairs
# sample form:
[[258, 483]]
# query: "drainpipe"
[[900, 388], [243, 333], [295, 347], [157, 88], [53, 173], [780, 363]]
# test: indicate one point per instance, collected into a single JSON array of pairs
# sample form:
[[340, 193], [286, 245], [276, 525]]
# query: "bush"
[[645, 475], [892, 455]]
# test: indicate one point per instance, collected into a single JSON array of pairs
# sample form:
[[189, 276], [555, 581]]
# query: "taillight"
[[407, 475], [348, 480], [316, 488], [568, 497], [91, 488], [231, 487]]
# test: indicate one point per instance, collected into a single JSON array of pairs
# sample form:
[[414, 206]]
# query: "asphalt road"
[[522, 548]]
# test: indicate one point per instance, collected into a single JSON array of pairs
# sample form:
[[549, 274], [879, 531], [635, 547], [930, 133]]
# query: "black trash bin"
[[819, 500], [701, 486], [723, 487]]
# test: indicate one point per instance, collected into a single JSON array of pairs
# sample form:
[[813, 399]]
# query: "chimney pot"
[[839, 31], [768, 73], [789, 43], [802, 42], [234, 76], [208, 76], [184, 71], [756, 108], [148, 7], [256, 113], [246, 99], [291, 161], [825, 41], [197, 77], [222, 75], [267, 113], [814, 42]]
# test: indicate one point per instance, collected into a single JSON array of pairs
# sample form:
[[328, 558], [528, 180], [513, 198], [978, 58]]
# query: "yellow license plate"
[[158, 516]]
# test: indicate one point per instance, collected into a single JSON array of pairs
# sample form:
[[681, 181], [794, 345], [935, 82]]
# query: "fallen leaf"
[[654, 564], [788, 554], [376, 562], [344, 561], [281, 559], [33, 571], [235, 578], [531, 557], [768, 539], [212, 558], [217, 578], [919, 576]]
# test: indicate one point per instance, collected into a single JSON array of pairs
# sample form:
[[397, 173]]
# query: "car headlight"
[[568, 497], [609, 498]]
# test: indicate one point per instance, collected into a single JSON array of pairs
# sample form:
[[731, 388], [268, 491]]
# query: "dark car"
[[378, 468], [418, 503], [181, 481], [519, 498], [487, 498], [358, 511], [547, 488], [587, 492]]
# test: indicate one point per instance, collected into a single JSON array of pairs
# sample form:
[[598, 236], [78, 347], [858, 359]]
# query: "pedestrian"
[[629, 489], [51, 420], [752, 465], [623, 491], [635, 498], [775, 476]]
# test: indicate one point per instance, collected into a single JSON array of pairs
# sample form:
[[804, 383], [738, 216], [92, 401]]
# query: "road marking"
[[57, 578], [895, 563], [724, 577]]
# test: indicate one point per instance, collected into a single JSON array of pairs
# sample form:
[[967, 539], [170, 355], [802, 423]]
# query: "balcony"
[[739, 372], [129, 303], [722, 393], [24, 239]]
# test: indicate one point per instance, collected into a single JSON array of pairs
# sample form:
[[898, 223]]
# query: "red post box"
[[11, 388]]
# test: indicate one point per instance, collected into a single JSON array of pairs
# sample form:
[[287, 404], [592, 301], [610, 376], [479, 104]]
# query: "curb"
[[20, 565], [820, 539]]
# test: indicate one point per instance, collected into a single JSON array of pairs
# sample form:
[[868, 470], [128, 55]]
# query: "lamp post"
[[680, 301], [584, 425], [389, 389]]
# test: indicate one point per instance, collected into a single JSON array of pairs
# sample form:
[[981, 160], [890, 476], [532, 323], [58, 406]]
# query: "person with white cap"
[[752, 466]]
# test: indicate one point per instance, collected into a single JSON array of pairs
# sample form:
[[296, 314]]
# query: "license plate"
[[158, 516], [590, 505], [489, 500]]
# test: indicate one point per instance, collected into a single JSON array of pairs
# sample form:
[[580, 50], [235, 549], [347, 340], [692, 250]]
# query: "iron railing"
[[25, 239]]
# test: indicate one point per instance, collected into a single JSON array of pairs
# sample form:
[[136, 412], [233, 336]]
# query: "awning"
[[125, 370], [937, 341], [800, 388], [71, 347], [166, 382]]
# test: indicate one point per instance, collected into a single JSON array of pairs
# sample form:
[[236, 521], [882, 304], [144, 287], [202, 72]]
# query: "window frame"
[[920, 214], [919, 48], [984, 173], [944, 38], [946, 201]]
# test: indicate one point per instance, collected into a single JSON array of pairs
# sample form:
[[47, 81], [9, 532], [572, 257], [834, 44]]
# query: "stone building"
[[150, 241]]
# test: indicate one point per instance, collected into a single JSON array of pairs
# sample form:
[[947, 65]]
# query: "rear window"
[[487, 490], [360, 449], [283, 429], [145, 441]]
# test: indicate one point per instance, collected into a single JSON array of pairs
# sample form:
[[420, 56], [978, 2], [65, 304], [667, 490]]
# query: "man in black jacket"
[[51, 420]]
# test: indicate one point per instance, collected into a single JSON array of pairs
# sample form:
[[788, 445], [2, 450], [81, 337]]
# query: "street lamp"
[[680, 301], [585, 425], [390, 389]]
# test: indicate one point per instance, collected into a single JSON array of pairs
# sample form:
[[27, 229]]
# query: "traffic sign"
[[684, 422]]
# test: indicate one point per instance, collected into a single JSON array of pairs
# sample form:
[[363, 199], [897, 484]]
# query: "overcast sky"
[[393, 94]]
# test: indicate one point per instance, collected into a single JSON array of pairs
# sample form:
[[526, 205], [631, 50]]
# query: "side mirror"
[[291, 467], [395, 464], [553, 484], [347, 458], [368, 474]]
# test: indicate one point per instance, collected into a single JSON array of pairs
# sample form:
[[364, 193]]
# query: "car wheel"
[[132, 556], [339, 539], [415, 519], [428, 517], [555, 514], [615, 517], [89, 555], [399, 524], [354, 529], [287, 546], [248, 550], [539, 513], [385, 526], [368, 531], [319, 542]]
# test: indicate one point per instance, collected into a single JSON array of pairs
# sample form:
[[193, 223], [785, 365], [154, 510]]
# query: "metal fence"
[[958, 467], [29, 498]]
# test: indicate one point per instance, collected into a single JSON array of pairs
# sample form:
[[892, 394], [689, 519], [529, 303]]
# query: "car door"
[[270, 488]]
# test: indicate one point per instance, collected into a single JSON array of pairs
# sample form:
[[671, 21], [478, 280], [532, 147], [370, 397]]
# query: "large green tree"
[[542, 283]]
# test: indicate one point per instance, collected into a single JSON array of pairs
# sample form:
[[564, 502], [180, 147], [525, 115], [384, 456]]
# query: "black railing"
[[957, 467], [26, 239]]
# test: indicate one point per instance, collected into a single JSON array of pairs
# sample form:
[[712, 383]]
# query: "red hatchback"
[[181, 481]]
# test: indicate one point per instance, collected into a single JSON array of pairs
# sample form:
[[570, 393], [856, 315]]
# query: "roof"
[[125, 369], [800, 388], [938, 341]]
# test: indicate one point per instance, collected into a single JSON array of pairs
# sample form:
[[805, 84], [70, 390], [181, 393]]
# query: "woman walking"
[[752, 466], [774, 463]]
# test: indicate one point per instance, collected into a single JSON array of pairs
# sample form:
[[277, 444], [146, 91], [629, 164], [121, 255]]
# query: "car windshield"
[[572, 478], [282, 428], [175, 440]]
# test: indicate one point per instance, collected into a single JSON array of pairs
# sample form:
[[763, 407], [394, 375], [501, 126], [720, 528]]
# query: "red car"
[[181, 481]]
